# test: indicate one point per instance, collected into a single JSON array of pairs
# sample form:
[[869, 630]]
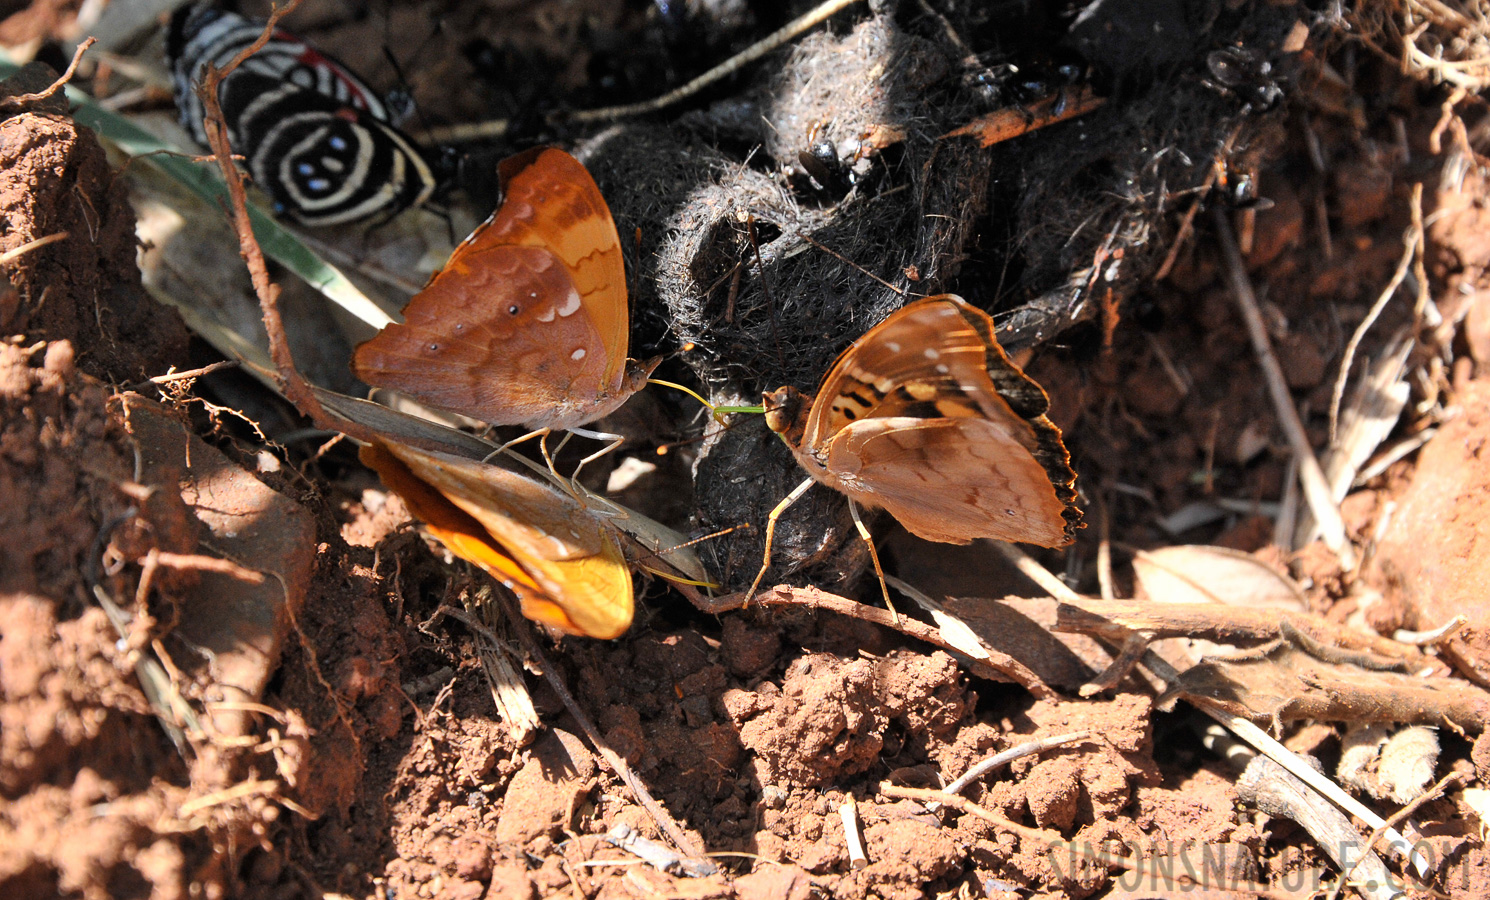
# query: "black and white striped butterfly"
[[316, 138]]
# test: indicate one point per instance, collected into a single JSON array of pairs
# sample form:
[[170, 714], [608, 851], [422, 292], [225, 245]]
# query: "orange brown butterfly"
[[926, 417], [528, 322], [564, 565]]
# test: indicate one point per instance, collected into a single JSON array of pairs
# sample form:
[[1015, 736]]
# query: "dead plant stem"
[[1316, 486]]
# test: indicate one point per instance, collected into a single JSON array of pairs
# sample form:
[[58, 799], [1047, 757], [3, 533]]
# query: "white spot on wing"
[[547, 315], [931, 353], [571, 304], [892, 346], [578, 354]]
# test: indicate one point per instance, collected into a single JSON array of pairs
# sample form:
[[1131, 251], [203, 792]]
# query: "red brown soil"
[[377, 766]]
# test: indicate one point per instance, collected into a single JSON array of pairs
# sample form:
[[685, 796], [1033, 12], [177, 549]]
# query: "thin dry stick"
[[292, 384], [1028, 748], [1036, 572], [1432, 635], [844, 259], [16, 253], [1412, 246], [1187, 222], [1397, 818], [198, 562], [1274, 750], [22, 100], [1276, 792], [849, 813], [1316, 486], [997, 667], [1135, 644], [725, 69], [617, 764], [188, 374], [467, 132]]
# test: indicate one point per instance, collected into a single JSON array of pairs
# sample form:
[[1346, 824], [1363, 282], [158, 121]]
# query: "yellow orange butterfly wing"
[[528, 322], [565, 567]]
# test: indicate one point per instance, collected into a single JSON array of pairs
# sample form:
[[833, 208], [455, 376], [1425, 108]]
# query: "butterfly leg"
[[548, 457], [874, 557], [542, 432], [615, 440], [781, 507]]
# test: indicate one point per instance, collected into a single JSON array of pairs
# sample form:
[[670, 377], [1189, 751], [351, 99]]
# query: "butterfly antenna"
[[662, 554], [714, 410], [696, 541], [665, 449]]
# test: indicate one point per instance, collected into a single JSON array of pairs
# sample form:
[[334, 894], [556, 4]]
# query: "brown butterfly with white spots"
[[926, 417], [528, 322]]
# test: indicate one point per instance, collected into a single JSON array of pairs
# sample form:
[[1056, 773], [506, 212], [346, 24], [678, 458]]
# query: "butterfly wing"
[[528, 322], [558, 206], [950, 479], [934, 369], [926, 355], [565, 567]]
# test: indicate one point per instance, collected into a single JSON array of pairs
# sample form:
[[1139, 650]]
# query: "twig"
[[617, 764], [1187, 222], [1398, 818], [1316, 487], [1395, 698], [1412, 246], [466, 132], [846, 261], [240, 791], [1291, 761], [22, 100], [188, 374], [849, 813], [1012, 122], [962, 804], [1278, 792], [1028, 748], [1036, 572], [292, 383], [656, 855], [16, 253], [198, 562], [725, 69], [1433, 636], [1115, 619], [1134, 646], [997, 667]]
